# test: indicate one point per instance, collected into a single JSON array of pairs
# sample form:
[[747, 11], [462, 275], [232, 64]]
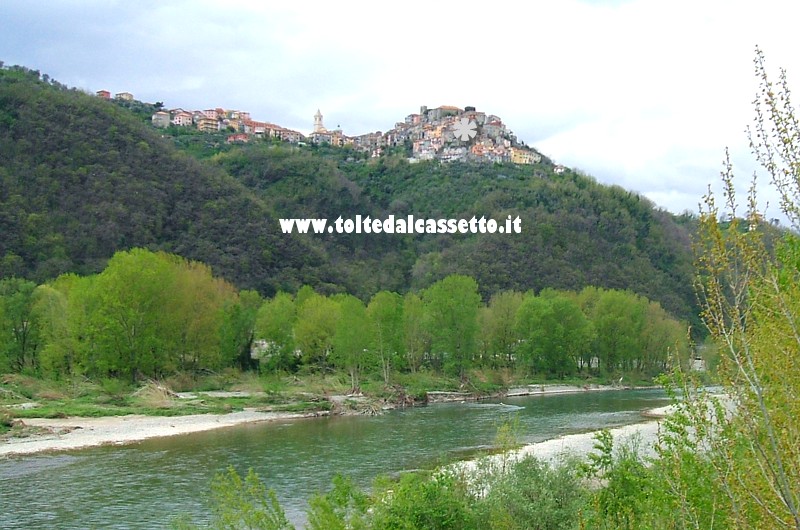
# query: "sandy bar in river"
[[77, 433]]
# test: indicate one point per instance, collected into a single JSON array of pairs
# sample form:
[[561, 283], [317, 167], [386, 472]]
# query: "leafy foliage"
[[81, 178]]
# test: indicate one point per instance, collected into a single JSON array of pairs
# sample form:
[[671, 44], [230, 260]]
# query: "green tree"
[[197, 306], [352, 339], [19, 333], [618, 319], [578, 331], [555, 333], [344, 507], [237, 329], [499, 327], [385, 312], [51, 308], [452, 307], [274, 325], [534, 316], [315, 328], [750, 299], [128, 317], [416, 337], [664, 339]]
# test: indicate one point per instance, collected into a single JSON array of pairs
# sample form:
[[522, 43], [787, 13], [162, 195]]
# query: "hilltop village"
[[445, 133]]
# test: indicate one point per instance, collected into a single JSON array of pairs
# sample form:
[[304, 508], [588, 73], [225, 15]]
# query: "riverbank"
[[63, 434], [527, 390], [644, 434]]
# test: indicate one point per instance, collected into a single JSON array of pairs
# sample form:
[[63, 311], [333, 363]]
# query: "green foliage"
[[152, 314], [352, 339], [555, 333], [421, 502], [19, 331], [618, 318], [245, 503], [115, 389], [82, 178], [416, 335], [315, 329], [452, 307], [533, 494], [498, 334], [385, 312], [237, 329], [633, 494], [342, 508], [274, 323], [733, 460]]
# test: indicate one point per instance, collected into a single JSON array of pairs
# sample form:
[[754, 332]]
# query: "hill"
[[81, 177], [575, 232]]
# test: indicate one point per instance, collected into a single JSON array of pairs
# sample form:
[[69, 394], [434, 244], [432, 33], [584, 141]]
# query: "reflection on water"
[[143, 485]]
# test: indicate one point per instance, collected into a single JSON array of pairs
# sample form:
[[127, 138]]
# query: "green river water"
[[146, 484]]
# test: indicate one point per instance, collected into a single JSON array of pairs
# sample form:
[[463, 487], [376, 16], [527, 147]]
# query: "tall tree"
[[131, 294], [314, 329], [237, 330], [19, 338], [274, 325], [452, 306], [51, 308], [352, 339], [385, 312], [416, 337], [499, 327], [618, 319], [198, 305]]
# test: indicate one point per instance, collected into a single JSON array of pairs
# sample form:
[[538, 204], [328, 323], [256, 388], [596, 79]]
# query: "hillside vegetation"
[[81, 178]]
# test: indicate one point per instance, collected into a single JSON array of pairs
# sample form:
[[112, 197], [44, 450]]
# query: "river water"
[[146, 484]]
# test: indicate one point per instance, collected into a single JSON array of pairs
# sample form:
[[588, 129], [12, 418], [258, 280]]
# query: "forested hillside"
[[575, 232], [81, 178]]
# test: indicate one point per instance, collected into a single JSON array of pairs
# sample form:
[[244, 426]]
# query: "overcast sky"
[[644, 94]]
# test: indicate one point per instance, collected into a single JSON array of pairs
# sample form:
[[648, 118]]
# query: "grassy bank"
[[182, 394]]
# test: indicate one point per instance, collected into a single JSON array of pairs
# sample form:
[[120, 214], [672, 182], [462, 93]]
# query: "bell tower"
[[318, 126]]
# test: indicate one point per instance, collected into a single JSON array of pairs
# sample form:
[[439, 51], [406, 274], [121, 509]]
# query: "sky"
[[641, 93]]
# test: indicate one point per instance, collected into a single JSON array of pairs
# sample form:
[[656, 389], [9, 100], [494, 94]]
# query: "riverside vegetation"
[[133, 317], [156, 316], [96, 206], [718, 464], [82, 178]]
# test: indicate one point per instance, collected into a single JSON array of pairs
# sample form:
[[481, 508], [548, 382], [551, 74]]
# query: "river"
[[146, 484]]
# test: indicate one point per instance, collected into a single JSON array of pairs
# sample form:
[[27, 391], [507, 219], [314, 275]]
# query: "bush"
[[422, 502], [115, 389], [534, 494], [6, 421]]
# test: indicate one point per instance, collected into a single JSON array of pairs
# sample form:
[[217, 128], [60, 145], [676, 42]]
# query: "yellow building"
[[524, 156]]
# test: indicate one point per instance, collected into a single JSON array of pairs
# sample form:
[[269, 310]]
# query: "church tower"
[[318, 126]]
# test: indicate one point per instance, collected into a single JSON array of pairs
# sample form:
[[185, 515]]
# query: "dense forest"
[[81, 178], [153, 314]]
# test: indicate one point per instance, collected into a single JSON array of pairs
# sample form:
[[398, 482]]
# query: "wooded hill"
[[82, 177]]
